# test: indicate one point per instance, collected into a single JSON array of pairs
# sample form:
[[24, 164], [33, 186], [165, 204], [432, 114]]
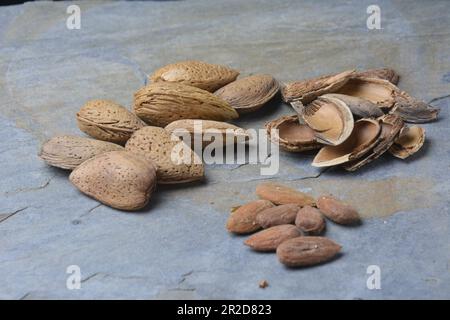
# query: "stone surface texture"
[[178, 247]]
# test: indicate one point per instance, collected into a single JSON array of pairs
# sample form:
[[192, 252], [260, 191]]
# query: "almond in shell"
[[119, 179], [175, 161], [243, 219], [205, 131], [307, 251], [283, 214], [337, 210], [68, 152], [280, 194], [108, 121], [161, 103], [198, 74], [250, 93], [269, 239]]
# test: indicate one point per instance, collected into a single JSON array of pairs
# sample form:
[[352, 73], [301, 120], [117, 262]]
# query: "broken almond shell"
[[292, 136], [409, 141], [361, 140], [330, 119]]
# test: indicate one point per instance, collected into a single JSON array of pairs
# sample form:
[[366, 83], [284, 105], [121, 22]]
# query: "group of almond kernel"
[[292, 224]]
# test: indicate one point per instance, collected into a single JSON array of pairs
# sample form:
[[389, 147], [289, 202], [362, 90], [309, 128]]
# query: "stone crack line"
[[43, 186], [439, 98], [91, 210], [6, 216], [109, 275], [311, 177]]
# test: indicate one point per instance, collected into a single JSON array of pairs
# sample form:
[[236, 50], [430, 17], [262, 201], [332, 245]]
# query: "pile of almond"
[[292, 223], [129, 152]]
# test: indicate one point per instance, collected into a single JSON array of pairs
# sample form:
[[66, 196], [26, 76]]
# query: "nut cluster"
[[292, 223]]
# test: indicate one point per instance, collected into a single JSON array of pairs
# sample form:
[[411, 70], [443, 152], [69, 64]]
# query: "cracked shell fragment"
[[330, 119], [390, 128], [362, 140], [119, 179], [292, 136], [307, 90], [382, 73], [360, 108], [409, 141]]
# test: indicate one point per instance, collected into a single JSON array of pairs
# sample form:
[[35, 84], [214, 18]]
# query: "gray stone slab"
[[178, 247]]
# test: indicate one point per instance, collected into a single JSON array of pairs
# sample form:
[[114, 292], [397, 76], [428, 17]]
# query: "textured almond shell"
[[157, 144], [161, 103], [307, 90], [243, 219], [279, 194], [119, 179], [359, 107], [389, 97], [198, 74], [283, 214], [390, 128], [310, 220], [68, 152], [108, 121], [409, 141], [382, 73], [250, 93], [337, 211], [269, 239], [202, 129], [330, 119], [306, 251], [361, 141], [292, 136]]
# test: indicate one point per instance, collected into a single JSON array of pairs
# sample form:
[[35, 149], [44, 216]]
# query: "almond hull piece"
[[119, 179], [330, 119], [243, 219], [360, 142], [308, 90], [161, 103], [382, 73], [390, 128], [269, 239], [279, 194], [388, 97], [360, 108], [249, 94], [292, 136], [307, 251], [409, 141], [337, 211]]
